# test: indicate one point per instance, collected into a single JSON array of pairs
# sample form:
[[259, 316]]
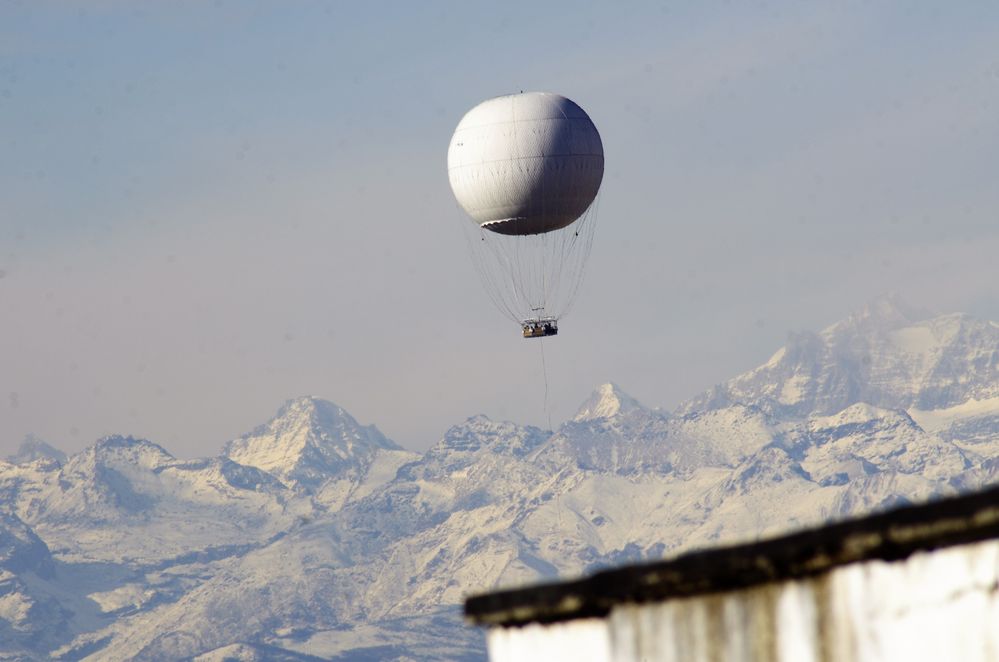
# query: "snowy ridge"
[[314, 537], [33, 449], [607, 401], [884, 355]]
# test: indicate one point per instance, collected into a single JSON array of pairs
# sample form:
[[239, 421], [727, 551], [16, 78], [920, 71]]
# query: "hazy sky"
[[209, 208]]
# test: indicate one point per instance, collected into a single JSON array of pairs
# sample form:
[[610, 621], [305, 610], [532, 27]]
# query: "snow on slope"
[[633, 439], [30, 619], [877, 438], [939, 420], [607, 401], [127, 500], [973, 425], [306, 441]]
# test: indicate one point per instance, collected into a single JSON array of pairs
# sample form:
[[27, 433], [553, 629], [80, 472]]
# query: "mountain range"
[[316, 537]]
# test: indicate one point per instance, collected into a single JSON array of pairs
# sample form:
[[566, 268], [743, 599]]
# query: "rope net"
[[533, 276]]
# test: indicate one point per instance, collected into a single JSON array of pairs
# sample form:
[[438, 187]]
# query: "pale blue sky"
[[208, 208]]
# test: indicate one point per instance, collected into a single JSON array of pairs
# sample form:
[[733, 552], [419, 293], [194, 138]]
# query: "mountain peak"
[[308, 409], [605, 402], [888, 311], [138, 451], [479, 434], [308, 441], [33, 448]]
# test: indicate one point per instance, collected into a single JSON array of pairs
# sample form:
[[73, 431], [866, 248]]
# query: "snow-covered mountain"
[[886, 355], [317, 448], [315, 537], [308, 442]]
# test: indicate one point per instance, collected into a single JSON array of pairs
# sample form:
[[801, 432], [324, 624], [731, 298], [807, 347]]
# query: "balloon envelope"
[[525, 163]]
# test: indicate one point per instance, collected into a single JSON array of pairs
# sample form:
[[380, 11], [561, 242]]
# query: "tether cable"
[[544, 369]]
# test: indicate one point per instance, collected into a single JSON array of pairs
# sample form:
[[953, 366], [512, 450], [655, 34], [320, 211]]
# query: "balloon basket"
[[540, 328]]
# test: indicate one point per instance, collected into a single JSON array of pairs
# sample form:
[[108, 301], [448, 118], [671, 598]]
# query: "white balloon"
[[525, 163]]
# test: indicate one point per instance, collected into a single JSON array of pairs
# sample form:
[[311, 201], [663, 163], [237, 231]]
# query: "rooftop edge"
[[887, 536]]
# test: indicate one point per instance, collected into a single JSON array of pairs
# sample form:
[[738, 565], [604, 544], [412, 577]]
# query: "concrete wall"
[[938, 605]]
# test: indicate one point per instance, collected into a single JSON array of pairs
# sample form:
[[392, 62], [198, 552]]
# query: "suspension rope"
[[544, 369], [521, 273]]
